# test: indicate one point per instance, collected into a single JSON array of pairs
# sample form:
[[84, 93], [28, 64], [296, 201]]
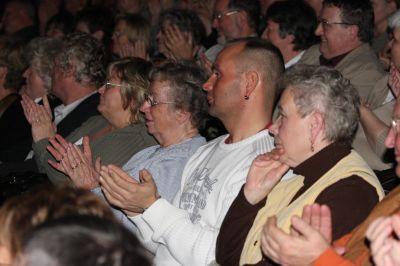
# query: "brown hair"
[[20, 214]]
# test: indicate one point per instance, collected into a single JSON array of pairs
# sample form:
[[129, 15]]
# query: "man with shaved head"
[[241, 92]]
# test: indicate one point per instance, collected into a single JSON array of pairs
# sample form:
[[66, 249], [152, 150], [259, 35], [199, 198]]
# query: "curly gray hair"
[[40, 54], [325, 90], [86, 56]]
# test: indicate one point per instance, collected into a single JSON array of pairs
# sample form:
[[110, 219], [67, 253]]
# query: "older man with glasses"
[[346, 29], [234, 19]]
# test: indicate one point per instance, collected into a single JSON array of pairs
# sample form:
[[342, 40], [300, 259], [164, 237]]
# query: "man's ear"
[[353, 32], [252, 80]]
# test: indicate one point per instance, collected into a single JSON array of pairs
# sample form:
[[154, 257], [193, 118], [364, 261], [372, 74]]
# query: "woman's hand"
[[309, 238], [138, 50], [75, 163], [179, 44], [40, 117], [384, 234], [265, 172], [123, 191]]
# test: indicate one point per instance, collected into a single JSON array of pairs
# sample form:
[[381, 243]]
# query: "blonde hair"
[[134, 76]]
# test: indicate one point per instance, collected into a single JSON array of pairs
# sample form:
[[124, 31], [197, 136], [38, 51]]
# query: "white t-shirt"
[[185, 232]]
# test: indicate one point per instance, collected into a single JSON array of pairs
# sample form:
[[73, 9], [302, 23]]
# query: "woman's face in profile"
[[291, 131]]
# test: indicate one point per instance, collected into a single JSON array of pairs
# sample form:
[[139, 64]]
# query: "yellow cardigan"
[[279, 200]]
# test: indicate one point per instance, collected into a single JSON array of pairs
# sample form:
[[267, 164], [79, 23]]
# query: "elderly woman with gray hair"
[[318, 116], [175, 108]]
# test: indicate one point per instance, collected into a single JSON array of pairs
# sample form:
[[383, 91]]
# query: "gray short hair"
[[185, 80], [326, 91], [86, 55], [40, 54]]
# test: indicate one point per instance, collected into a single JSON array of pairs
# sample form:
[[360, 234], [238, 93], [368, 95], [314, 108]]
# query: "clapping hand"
[[122, 191], [310, 236], [40, 117], [74, 162], [384, 234]]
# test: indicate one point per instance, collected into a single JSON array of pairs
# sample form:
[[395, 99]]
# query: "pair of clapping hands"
[[120, 189], [138, 49]]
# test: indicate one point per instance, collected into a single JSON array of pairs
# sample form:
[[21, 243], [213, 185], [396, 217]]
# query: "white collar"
[[294, 60]]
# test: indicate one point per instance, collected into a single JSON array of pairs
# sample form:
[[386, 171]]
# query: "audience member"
[[233, 19], [312, 244], [59, 26], [346, 28], [45, 11], [39, 53], [213, 175], [21, 214], [96, 21], [15, 136], [77, 73], [174, 109], [318, 117], [115, 136], [82, 240], [19, 20], [131, 37], [382, 11], [290, 27], [180, 35]]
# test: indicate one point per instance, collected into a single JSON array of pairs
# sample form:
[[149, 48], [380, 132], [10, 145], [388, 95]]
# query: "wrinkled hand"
[[122, 191], [179, 44], [301, 248], [40, 117], [75, 163], [134, 50], [384, 233], [265, 172]]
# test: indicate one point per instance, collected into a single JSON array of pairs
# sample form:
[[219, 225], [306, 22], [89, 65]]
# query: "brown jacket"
[[362, 68]]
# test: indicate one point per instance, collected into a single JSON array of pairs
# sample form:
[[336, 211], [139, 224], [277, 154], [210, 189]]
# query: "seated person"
[[290, 27], [180, 35], [241, 91], [131, 37], [21, 214], [352, 249], [175, 107], [346, 28], [116, 135], [40, 54], [15, 136], [318, 116], [59, 242], [78, 71]]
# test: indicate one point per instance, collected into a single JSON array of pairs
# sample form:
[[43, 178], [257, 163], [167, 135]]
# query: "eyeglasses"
[[148, 98], [396, 125], [219, 16], [109, 85], [326, 24]]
